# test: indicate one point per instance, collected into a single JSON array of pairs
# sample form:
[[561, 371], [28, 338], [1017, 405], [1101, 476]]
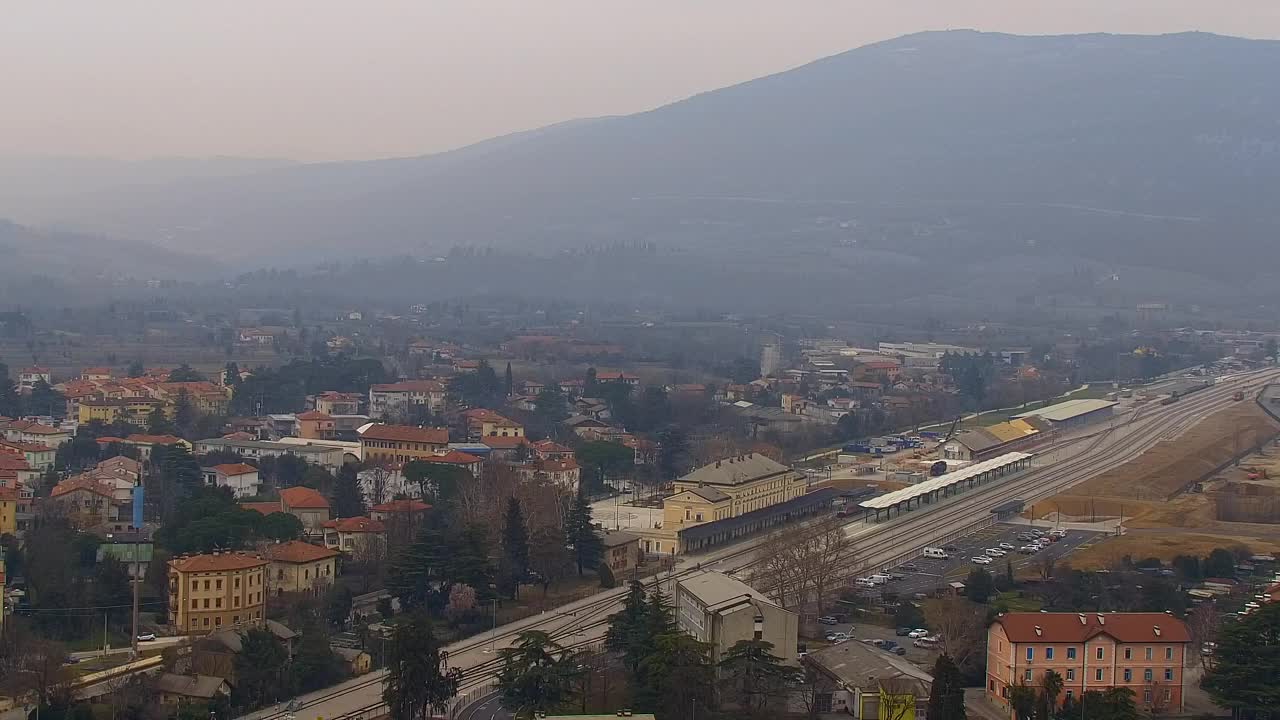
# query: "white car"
[[981, 560], [1029, 549], [1007, 546], [918, 633], [995, 552], [146, 637]]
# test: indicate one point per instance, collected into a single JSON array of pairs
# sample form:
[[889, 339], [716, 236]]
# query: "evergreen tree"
[[184, 373], [10, 400], [589, 384], [231, 374], [946, 697], [515, 549], [259, 667], [416, 686], [1247, 662], [184, 414], [314, 664], [628, 628], [753, 674], [348, 497], [44, 400], [158, 423], [510, 381], [537, 673], [417, 575], [582, 535], [136, 369], [468, 560], [678, 678], [660, 616]]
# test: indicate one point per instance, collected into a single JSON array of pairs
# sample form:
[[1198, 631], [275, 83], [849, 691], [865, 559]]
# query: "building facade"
[[299, 567], [719, 610], [216, 591], [1143, 652], [381, 443]]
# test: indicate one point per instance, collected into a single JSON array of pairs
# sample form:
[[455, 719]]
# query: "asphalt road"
[[488, 707]]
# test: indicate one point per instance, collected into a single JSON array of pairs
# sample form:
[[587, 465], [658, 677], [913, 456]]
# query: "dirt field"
[[1162, 519]]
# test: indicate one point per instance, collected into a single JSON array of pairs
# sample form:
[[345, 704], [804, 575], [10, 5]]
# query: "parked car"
[[981, 560], [899, 651], [903, 631], [146, 637], [918, 633], [827, 620], [1006, 546], [950, 548], [1029, 549], [995, 552], [909, 567], [889, 644], [897, 576], [837, 637]]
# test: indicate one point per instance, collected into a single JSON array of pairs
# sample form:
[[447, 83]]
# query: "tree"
[[314, 665], [10, 400], [603, 459], [515, 549], [1050, 688], [1202, 625], [549, 556], [136, 370], [814, 690], [678, 677], [1247, 662], [44, 400], [897, 699], [348, 498], [959, 625], [437, 483], [627, 633], [979, 585], [1022, 700], [509, 381], [1220, 564], [259, 668], [946, 696], [184, 373], [673, 448], [231, 374], [338, 603], [581, 533], [184, 414], [537, 674], [158, 423], [753, 674], [417, 684]]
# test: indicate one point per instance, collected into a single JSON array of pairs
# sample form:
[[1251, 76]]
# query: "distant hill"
[[927, 155]]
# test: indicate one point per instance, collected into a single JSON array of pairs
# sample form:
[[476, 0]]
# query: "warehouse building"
[[1073, 413]]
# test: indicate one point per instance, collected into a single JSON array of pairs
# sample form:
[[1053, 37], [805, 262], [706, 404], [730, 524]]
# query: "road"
[[158, 643], [875, 545]]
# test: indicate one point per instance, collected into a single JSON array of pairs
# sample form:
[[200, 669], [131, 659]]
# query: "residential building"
[[132, 548], [618, 377], [309, 506], [146, 443], [459, 459], [353, 535], [862, 679], [621, 553], [38, 456], [316, 425], [401, 443], [504, 448], [299, 567], [400, 511], [564, 473], [216, 591], [95, 373], [35, 433], [721, 611], [174, 689], [398, 400], [1143, 652], [551, 450], [242, 478], [135, 411], [337, 403], [8, 511], [581, 425], [328, 456], [87, 501], [28, 377], [482, 423]]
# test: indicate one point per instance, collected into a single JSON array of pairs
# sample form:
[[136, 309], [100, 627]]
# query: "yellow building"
[[381, 443], [8, 510], [213, 592], [724, 489], [299, 567], [131, 410]]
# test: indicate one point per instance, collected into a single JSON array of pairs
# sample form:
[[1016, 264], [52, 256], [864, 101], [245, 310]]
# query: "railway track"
[[900, 538]]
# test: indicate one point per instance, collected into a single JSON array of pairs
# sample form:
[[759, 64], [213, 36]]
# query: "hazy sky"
[[323, 79]]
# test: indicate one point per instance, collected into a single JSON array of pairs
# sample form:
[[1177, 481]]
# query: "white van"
[[879, 579], [934, 553], [864, 583]]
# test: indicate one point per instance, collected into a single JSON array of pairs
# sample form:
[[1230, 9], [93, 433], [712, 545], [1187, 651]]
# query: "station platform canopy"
[[946, 481]]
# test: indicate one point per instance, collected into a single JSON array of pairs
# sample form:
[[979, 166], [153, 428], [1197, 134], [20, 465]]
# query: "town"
[[235, 538]]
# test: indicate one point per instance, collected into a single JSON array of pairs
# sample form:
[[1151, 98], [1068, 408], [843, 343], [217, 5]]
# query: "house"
[[358, 662], [400, 517], [8, 512], [216, 591], [618, 377], [551, 450], [86, 501], [309, 506], [146, 443], [381, 442], [581, 424], [504, 448], [174, 689], [398, 400], [95, 373], [330, 456], [135, 411], [315, 425], [621, 552], [38, 456], [353, 535], [336, 403], [299, 567], [720, 610], [860, 679], [242, 478], [564, 473], [459, 459], [133, 548], [1143, 652], [35, 433], [215, 653], [483, 423], [28, 377]]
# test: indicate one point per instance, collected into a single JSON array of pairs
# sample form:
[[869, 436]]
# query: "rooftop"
[[355, 525], [859, 665], [216, 562], [1078, 627], [303, 498], [404, 433], [718, 591], [234, 469], [736, 470], [1068, 410], [296, 551]]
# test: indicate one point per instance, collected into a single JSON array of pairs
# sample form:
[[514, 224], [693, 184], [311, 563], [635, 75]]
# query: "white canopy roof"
[[942, 481]]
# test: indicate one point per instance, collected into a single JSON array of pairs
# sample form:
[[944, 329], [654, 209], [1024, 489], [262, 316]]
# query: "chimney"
[[1039, 631], [717, 463], [1101, 620], [1082, 620], [1156, 630]]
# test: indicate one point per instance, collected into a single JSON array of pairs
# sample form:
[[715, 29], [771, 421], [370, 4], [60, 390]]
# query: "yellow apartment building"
[[216, 591]]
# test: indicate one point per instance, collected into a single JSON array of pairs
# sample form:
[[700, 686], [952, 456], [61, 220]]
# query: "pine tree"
[[515, 549], [184, 415], [348, 497], [627, 633], [417, 574], [946, 698], [754, 674], [510, 381], [10, 400], [660, 617], [415, 686], [582, 535]]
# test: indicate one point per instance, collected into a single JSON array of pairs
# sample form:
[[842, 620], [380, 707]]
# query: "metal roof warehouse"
[[1073, 412], [950, 483]]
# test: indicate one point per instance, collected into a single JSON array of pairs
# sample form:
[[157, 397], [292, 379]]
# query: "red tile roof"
[[38, 429], [1077, 628], [454, 457], [82, 482], [140, 439], [406, 433], [355, 525], [504, 443], [216, 562], [426, 386], [233, 469], [266, 508], [550, 446], [296, 551], [314, 415], [303, 498], [26, 447], [402, 506], [108, 439]]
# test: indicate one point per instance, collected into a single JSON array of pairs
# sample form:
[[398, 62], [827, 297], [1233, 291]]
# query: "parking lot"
[[933, 573]]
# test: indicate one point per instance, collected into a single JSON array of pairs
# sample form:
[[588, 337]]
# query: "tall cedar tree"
[[582, 535], [419, 573], [515, 549], [627, 633], [1247, 662], [348, 498], [753, 674], [678, 678], [415, 688], [537, 674], [946, 698], [509, 381], [184, 413], [660, 616], [260, 669]]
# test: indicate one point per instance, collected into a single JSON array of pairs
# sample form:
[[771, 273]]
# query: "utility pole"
[[137, 581]]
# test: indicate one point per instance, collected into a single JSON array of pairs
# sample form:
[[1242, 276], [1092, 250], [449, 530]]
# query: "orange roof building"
[[216, 591]]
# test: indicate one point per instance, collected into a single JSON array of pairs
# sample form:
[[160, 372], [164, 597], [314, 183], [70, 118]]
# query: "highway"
[[875, 545]]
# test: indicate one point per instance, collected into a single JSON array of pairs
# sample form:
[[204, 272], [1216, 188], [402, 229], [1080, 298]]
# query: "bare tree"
[[802, 565], [1046, 565], [30, 665], [376, 482], [1202, 625], [897, 698], [958, 624], [814, 692], [370, 556]]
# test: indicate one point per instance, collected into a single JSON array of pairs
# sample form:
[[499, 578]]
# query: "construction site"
[[1214, 483]]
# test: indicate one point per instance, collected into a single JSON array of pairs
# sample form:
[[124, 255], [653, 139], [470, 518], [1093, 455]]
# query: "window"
[[1146, 695], [1048, 653], [218, 586], [1099, 657], [1128, 653], [1168, 674], [1148, 653], [1128, 675], [194, 622], [1071, 673], [206, 584], [1071, 653], [206, 603], [991, 685], [206, 622], [1146, 675], [1027, 676], [1168, 653], [236, 600], [237, 583], [235, 619], [1097, 674], [1031, 653], [195, 585], [1168, 695], [218, 621], [1069, 694], [218, 603], [195, 604]]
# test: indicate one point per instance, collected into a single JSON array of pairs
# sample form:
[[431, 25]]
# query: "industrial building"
[[1073, 413], [985, 443]]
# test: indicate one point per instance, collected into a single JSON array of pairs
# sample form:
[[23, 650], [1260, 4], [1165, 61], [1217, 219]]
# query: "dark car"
[[950, 548], [903, 632], [909, 567]]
